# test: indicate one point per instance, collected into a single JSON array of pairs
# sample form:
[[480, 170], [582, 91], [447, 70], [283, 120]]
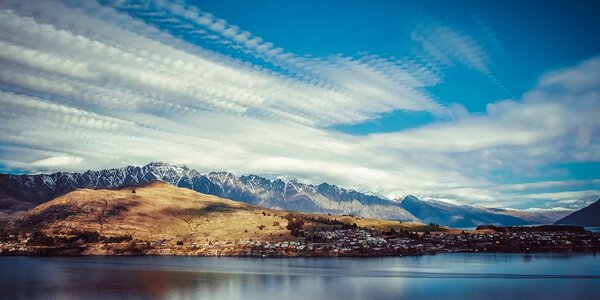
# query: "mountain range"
[[462, 215], [24, 191], [19, 193]]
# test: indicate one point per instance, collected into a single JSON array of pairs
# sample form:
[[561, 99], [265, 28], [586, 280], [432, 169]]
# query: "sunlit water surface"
[[443, 276]]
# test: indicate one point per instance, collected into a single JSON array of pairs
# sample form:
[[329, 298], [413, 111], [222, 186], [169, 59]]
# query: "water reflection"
[[450, 276]]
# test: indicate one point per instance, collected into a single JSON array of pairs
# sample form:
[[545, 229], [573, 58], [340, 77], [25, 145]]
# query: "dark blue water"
[[444, 276]]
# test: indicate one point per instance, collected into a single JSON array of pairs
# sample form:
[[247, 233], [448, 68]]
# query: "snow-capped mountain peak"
[[253, 189]]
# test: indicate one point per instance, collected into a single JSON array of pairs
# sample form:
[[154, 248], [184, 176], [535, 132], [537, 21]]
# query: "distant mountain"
[[459, 215], [587, 216], [19, 192], [535, 216]]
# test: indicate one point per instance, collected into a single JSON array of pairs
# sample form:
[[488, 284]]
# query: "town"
[[336, 239]]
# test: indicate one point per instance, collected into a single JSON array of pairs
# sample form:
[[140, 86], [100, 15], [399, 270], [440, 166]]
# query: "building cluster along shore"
[[336, 242]]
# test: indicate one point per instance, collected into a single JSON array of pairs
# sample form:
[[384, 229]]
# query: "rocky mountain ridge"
[[19, 193], [251, 189]]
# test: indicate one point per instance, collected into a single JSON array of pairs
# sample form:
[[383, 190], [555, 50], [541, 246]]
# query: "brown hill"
[[155, 211], [158, 211]]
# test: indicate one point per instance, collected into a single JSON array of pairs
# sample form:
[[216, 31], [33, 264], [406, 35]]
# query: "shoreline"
[[69, 252], [340, 242]]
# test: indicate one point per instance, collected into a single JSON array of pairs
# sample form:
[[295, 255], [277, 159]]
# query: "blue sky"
[[484, 102], [522, 40]]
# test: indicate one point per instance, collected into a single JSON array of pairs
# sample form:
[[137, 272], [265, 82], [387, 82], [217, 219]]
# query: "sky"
[[493, 103]]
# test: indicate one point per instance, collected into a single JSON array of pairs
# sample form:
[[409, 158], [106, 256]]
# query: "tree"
[[295, 223], [86, 236], [38, 238], [118, 239]]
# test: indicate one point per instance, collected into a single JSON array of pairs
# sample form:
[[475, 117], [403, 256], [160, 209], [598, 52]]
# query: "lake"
[[442, 276]]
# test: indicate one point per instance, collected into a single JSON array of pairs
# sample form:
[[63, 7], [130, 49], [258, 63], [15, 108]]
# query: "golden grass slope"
[[160, 211]]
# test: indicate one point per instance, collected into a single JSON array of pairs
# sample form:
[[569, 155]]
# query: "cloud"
[[443, 47], [553, 123], [87, 86], [447, 46], [394, 83], [574, 79], [547, 184], [57, 161], [552, 114]]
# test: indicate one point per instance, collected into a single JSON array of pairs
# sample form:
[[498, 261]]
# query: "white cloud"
[[546, 184], [448, 47], [57, 161]]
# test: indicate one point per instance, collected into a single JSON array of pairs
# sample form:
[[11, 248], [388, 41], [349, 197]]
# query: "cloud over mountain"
[[90, 86]]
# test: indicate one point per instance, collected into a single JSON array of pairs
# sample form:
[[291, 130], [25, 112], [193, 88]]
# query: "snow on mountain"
[[252, 189], [21, 192]]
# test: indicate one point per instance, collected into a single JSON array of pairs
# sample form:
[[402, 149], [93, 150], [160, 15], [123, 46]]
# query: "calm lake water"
[[442, 276]]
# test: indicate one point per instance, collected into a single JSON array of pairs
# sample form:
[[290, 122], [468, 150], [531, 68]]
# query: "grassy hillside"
[[161, 212]]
